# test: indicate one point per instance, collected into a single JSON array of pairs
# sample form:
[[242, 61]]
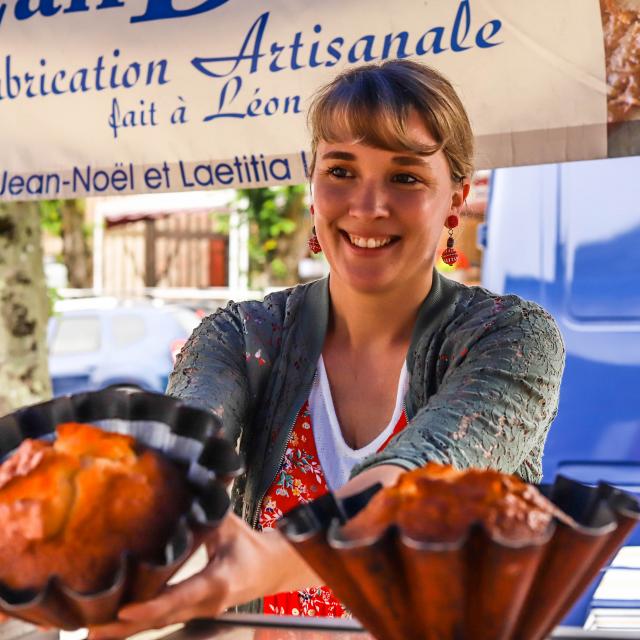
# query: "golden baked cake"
[[439, 503], [72, 507]]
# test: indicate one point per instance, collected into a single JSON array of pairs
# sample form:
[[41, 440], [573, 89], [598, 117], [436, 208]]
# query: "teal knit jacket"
[[484, 375]]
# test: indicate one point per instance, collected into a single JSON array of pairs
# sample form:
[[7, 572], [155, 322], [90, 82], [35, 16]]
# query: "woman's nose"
[[369, 200]]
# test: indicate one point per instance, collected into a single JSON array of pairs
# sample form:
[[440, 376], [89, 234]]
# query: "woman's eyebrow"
[[338, 155], [411, 161], [405, 161]]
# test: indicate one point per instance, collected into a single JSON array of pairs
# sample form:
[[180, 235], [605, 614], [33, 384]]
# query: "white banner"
[[123, 96]]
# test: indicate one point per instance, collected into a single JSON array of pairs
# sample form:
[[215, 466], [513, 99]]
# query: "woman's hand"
[[243, 565], [385, 474]]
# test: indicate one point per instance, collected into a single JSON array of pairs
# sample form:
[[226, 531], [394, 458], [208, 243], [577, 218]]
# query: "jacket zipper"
[[259, 506], [279, 468]]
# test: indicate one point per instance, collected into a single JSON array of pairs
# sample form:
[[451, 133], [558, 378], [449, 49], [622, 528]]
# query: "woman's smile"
[[379, 213], [369, 245]]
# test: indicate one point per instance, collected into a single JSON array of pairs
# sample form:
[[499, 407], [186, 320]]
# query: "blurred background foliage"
[[278, 219]]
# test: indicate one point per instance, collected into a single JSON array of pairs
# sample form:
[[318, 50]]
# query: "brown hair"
[[372, 103]]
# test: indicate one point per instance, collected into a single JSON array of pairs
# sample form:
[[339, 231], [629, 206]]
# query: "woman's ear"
[[460, 194]]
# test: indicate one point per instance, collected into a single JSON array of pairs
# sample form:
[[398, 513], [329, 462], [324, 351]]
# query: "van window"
[[76, 335], [601, 211], [127, 329]]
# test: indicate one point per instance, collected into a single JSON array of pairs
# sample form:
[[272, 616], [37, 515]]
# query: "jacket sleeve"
[[211, 370], [498, 373]]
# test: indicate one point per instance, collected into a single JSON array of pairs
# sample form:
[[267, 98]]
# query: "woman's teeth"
[[369, 243]]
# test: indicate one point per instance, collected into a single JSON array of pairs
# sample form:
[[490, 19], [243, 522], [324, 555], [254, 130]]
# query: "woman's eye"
[[405, 178], [338, 172]]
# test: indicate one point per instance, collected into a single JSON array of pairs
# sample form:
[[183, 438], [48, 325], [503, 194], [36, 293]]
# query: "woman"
[[383, 366]]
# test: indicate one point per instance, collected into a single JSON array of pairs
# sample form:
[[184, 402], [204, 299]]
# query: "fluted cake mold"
[[478, 586], [190, 437]]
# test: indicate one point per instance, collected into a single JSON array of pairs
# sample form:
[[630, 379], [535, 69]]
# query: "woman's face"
[[379, 214]]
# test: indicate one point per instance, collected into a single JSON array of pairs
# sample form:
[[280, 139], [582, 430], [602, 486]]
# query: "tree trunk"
[[293, 247], [24, 309], [75, 248]]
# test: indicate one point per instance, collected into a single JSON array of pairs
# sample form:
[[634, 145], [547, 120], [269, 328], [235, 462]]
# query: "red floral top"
[[301, 480]]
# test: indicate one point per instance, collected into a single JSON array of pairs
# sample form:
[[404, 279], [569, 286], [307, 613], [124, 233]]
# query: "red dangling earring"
[[450, 255], [312, 242], [314, 245]]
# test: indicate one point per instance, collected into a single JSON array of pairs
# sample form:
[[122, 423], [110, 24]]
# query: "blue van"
[[568, 236]]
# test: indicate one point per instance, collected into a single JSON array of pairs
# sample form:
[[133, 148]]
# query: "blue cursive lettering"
[[16, 83], [258, 53], [257, 106], [164, 10]]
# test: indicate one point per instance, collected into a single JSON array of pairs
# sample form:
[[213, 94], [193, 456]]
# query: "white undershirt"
[[337, 458]]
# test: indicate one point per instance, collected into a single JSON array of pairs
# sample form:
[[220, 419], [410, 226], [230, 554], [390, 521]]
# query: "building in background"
[[189, 240]]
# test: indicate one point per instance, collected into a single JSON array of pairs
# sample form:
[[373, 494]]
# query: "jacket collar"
[[311, 330], [315, 314], [430, 313]]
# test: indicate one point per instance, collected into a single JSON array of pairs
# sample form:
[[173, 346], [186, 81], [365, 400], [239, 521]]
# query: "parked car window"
[[76, 334], [127, 329]]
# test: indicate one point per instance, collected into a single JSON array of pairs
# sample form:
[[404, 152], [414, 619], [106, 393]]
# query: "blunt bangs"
[[368, 111], [371, 105]]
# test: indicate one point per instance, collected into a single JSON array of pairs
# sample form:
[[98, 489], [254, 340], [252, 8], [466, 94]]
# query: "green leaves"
[[272, 213]]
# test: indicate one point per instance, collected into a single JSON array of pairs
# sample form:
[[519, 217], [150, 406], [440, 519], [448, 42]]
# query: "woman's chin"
[[368, 282], [381, 279]]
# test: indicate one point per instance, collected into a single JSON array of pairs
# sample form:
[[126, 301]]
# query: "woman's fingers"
[[116, 630], [173, 601], [201, 596], [240, 568], [124, 629]]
